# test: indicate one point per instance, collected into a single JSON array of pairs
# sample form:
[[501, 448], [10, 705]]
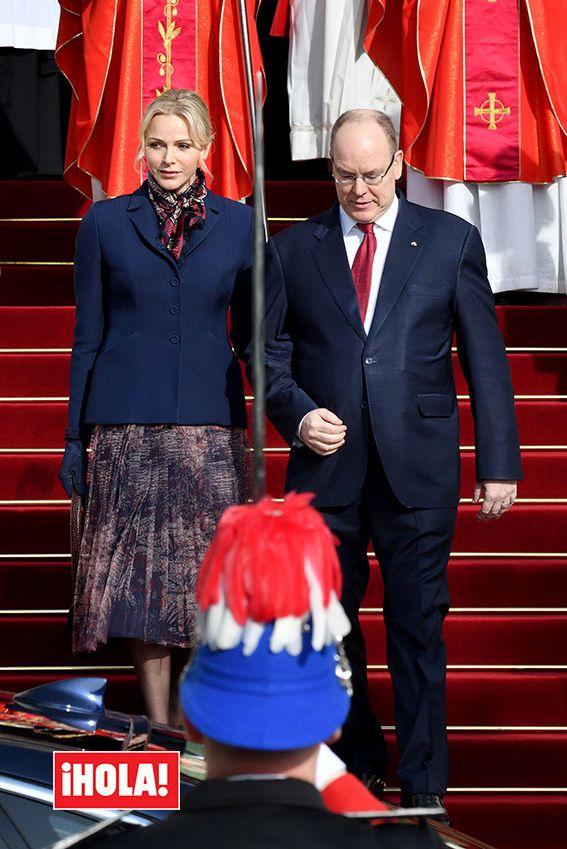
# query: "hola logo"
[[143, 780]]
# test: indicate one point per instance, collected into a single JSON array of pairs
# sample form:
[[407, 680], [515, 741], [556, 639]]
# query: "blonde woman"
[[156, 387]]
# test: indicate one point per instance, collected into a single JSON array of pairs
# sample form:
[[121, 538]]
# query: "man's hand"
[[323, 432], [497, 497]]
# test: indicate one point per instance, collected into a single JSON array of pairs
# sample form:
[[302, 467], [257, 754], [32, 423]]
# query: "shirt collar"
[[386, 221]]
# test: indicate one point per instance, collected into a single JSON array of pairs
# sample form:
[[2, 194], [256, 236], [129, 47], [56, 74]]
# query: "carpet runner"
[[506, 633]]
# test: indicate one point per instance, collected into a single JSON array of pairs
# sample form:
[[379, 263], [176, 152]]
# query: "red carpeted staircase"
[[506, 633]]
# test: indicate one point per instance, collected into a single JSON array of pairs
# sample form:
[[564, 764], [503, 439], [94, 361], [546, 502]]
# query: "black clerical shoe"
[[375, 783], [425, 800]]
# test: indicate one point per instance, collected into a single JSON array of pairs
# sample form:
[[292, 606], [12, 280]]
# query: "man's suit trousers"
[[412, 547]]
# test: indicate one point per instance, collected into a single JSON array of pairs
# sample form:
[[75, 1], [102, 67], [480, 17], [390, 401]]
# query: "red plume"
[[269, 561]]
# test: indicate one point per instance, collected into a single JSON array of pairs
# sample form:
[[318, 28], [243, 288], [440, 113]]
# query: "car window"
[[37, 822]]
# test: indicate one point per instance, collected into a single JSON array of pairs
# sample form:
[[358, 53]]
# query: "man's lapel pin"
[[413, 244]]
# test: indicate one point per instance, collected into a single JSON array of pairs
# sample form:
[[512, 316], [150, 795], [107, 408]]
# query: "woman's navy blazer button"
[[174, 339], [174, 281], [174, 310]]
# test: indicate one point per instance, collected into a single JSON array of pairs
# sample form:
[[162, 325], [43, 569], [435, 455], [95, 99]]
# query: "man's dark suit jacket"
[[270, 814], [397, 381], [151, 343]]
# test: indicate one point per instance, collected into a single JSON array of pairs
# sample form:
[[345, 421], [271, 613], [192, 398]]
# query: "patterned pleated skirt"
[[156, 493]]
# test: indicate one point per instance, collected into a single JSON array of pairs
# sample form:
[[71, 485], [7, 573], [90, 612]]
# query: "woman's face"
[[172, 154]]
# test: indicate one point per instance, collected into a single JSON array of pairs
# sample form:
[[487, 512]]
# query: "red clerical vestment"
[[119, 54], [483, 85]]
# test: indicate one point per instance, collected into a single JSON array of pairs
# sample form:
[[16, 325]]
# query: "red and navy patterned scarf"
[[177, 213]]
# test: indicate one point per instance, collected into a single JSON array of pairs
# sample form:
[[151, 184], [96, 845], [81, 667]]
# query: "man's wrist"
[[300, 425]]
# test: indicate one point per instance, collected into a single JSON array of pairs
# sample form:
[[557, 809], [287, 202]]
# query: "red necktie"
[[362, 267]]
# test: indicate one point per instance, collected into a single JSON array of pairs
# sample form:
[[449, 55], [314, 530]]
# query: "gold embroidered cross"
[[494, 109]]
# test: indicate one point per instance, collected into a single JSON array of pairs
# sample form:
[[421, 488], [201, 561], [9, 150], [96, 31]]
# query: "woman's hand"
[[73, 472]]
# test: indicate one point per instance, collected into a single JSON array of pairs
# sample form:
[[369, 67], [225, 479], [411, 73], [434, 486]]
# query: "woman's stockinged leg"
[[153, 669]]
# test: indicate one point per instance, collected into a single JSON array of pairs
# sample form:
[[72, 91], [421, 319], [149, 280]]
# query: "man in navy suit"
[[362, 304]]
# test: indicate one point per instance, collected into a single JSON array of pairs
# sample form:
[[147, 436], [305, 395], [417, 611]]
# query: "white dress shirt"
[[353, 237]]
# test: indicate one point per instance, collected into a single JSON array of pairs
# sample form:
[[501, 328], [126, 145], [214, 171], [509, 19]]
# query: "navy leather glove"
[[73, 472]]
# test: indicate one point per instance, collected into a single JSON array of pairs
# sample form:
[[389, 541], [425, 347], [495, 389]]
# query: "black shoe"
[[425, 800], [375, 783]]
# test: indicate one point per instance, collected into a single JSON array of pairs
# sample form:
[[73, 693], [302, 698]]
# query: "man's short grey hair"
[[356, 116]]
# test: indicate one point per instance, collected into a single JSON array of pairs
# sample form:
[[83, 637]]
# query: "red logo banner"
[[492, 90], [123, 780]]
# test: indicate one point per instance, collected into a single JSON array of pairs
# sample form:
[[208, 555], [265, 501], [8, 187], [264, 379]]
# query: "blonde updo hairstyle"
[[187, 105]]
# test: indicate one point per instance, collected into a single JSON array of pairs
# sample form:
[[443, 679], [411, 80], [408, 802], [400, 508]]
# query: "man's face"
[[361, 148]]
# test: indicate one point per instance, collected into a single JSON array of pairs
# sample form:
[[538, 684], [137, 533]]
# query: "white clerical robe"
[[329, 72], [523, 227], [29, 24]]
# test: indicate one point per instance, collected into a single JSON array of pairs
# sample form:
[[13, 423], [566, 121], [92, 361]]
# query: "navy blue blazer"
[[397, 381], [151, 342]]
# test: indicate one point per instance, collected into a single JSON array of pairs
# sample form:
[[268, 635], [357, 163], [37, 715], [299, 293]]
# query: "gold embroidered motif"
[[492, 111], [167, 34]]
